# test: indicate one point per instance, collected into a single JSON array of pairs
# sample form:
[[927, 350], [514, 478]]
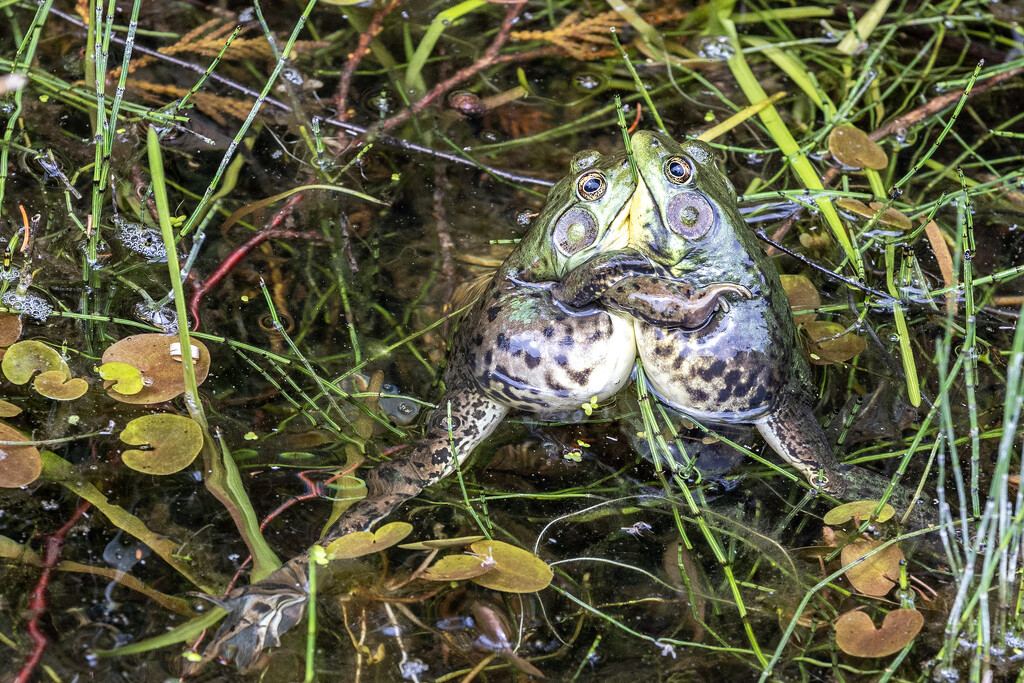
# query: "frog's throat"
[[640, 205]]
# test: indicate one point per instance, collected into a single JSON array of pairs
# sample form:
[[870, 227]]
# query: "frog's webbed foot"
[[257, 616], [586, 283], [670, 303]]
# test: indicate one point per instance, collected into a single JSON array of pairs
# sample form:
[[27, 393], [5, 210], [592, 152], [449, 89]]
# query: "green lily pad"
[[10, 328], [25, 358], [362, 543], [441, 543], [858, 509], [515, 570], [877, 574], [175, 441], [8, 409], [151, 355], [54, 384], [856, 634], [19, 465], [457, 568], [127, 379]]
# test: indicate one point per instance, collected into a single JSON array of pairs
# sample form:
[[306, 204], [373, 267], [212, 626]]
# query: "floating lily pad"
[[877, 574], [853, 148], [19, 465], [127, 380], [8, 409], [440, 543], [858, 509], [890, 216], [54, 384], [175, 441], [10, 328], [26, 358], [802, 296], [855, 206], [457, 568], [161, 370], [362, 543], [515, 570], [856, 634], [830, 343]]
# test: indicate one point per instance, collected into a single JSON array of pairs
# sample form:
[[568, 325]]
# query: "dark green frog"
[[661, 267]]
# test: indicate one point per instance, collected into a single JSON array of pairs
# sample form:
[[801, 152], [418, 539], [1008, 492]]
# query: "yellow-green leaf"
[[8, 409], [54, 384], [362, 543], [439, 543], [25, 358], [858, 509], [175, 441], [457, 568], [515, 570], [127, 379]]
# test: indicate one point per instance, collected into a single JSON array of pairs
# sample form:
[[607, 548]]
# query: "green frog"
[[658, 267]]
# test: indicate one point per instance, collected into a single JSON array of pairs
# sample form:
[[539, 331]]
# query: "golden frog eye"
[[679, 170], [575, 230], [591, 186]]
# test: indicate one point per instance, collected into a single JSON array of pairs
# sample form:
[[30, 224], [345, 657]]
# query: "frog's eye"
[[575, 230], [591, 186], [679, 170], [690, 215]]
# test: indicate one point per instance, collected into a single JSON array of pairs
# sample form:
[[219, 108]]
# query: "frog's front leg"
[[670, 303], [259, 613]]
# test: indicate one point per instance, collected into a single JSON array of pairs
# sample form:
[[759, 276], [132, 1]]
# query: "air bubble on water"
[[292, 76], [31, 305]]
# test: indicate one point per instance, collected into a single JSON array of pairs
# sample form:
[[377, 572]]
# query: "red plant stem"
[[488, 59], [37, 601], [345, 82], [232, 260]]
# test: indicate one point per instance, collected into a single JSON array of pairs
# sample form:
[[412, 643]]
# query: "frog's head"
[[683, 213], [587, 212]]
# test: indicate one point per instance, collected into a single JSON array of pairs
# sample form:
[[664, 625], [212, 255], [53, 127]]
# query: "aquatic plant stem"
[[22, 60], [221, 478]]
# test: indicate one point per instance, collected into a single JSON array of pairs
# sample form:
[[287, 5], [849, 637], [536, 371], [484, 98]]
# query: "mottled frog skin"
[[743, 365], [659, 267]]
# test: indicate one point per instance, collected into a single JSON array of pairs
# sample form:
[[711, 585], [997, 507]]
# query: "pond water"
[[326, 263]]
